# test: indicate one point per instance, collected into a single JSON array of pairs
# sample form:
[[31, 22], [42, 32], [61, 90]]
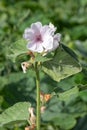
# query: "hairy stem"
[[38, 97]]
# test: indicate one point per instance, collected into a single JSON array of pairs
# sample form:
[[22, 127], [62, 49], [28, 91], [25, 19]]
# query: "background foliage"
[[70, 17]]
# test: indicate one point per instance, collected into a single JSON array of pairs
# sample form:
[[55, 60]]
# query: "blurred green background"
[[70, 18]]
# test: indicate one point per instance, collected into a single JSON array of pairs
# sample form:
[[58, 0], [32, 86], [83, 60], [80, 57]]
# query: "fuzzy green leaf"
[[61, 66], [40, 58], [17, 49], [69, 95], [56, 113], [65, 121], [83, 95], [16, 113]]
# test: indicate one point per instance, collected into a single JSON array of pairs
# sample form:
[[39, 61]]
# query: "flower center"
[[38, 38]]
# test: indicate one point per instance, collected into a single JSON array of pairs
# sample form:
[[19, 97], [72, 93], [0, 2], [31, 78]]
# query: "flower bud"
[[45, 97], [42, 97], [27, 128], [43, 108], [32, 127], [24, 66], [32, 116]]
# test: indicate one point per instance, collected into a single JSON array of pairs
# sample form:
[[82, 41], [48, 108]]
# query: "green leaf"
[[61, 66], [77, 108], [17, 49], [83, 95], [39, 58], [3, 128], [57, 114], [68, 50], [67, 83], [18, 112], [65, 121], [3, 82], [82, 47], [69, 95]]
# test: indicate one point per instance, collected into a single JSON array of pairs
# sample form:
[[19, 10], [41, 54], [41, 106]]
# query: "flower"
[[41, 38]]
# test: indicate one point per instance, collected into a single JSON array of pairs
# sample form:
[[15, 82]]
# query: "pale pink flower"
[[41, 38]]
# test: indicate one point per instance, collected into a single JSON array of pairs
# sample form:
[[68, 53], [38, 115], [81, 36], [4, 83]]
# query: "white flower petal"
[[48, 29], [35, 47], [36, 27], [44, 29], [39, 48], [31, 46], [47, 42], [55, 44], [56, 40], [28, 34], [57, 37]]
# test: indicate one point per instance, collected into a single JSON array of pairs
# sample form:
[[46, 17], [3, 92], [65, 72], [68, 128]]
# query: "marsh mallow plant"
[[44, 51]]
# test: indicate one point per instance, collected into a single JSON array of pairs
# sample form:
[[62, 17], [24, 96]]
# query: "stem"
[[38, 96]]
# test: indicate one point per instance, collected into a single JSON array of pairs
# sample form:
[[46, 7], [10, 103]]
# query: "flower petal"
[[36, 27], [57, 37], [55, 45], [48, 29], [47, 42], [52, 28], [56, 41], [44, 29], [39, 48], [28, 34], [35, 47]]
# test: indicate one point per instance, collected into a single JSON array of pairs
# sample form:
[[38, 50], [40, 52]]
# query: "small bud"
[[31, 110], [27, 128], [33, 119], [24, 66], [42, 97], [43, 108], [32, 116], [52, 27], [45, 97], [32, 127]]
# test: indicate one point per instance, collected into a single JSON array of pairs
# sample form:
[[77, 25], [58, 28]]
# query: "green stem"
[[38, 97]]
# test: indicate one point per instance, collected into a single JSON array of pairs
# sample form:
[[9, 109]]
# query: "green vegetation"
[[67, 110]]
